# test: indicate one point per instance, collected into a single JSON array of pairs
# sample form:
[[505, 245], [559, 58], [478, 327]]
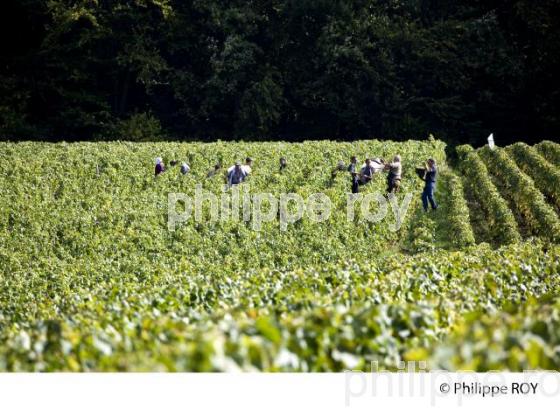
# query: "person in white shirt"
[[160, 166], [246, 167], [237, 174], [185, 168], [378, 164], [394, 177]]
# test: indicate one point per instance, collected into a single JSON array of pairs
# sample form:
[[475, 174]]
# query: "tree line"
[[280, 69]]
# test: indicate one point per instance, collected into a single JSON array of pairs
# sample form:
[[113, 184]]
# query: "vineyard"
[[92, 279]]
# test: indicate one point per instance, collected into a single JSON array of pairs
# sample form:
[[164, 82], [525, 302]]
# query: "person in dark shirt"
[[430, 185], [366, 172], [214, 170], [160, 166], [394, 176], [339, 167], [236, 175], [283, 164], [352, 168], [185, 169], [353, 165]]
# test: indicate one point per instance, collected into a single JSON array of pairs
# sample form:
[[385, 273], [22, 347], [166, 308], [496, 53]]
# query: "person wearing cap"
[[430, 185], [237, 174], [246, 167], [185, 168], [160, 166], [394, 177]]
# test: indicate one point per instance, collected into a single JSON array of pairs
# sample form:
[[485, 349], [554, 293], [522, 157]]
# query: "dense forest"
[[280, 69]]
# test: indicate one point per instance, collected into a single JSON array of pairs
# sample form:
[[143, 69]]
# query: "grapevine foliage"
[[528, 200], [91, 279]]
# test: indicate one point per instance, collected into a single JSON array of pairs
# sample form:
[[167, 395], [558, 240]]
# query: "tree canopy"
[[280, 69]]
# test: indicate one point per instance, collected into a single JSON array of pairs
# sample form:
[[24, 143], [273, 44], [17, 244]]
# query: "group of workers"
[[235, 174], [373, 166], [238, 172], [160, 166]]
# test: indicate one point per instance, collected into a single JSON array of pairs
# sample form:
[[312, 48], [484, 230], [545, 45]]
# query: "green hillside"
[[91, 278]]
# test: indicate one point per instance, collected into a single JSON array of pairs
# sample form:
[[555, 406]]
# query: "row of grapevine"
[[421, 232], [500, 218], [550, 150], [528, 200], [335, 317], [459, 226], [545, 176], [482, 334]]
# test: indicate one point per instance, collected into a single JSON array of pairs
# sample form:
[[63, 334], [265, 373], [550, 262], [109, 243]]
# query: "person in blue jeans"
[[430, 186]]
